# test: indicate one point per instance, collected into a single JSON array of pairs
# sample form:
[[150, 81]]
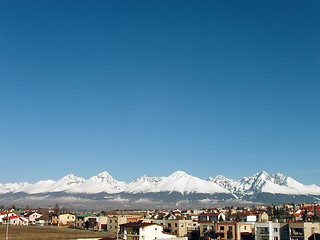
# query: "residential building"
[[228, 230], [315, 209], [271, 231], [262, 216], [144, 231], [4, 214], [33, 216], [16, 220], [212, 216], [303, 230], [81, 220], [181, 227], [206, 227], [102, 223], [115, 219], [243, 217], [63, 220]]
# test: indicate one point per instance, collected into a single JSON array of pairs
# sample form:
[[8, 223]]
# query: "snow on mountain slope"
[[280, 184], [102, 182], [144, 184], [12, 187], [63, 184], [179, 181], [38, 187], [263, 182], [226, 183]]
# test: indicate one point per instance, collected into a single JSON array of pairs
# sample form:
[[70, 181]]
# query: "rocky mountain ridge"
[[179, 181]]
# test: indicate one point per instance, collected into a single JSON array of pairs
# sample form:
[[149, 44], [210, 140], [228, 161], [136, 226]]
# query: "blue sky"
[[151, 87]]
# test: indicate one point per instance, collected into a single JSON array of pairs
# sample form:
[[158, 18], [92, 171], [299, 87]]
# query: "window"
[[275, 238], [110, 221], [176, 225], [275, 229], [245, 227], [230, 229], [156, 229], [181, 224], [222, 228]]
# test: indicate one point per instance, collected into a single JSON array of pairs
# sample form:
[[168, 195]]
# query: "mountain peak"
[[178, 181], [179, 174], [260, 174], [104, 174], [219, 178], [70, 176]]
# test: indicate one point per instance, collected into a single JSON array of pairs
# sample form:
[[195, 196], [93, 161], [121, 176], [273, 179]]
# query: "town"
[[270, 222]]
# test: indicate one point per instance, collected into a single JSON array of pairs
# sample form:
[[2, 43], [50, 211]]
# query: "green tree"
[[211, 234], [237, 217]]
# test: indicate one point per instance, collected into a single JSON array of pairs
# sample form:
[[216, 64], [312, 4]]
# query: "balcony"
[[263, 233], [298, 232]]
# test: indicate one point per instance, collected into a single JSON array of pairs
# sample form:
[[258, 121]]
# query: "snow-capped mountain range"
[[179, 181]]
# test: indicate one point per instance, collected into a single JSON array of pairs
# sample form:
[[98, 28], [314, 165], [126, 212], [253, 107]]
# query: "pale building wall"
[[151, 232], [308, 228], [66, 219], [179, 226], [34, 216], [251, 218], [102, 221], [114, 223], [204, 226], [9, 214], [268, 230]]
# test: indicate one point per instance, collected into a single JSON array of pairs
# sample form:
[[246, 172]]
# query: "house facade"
[[181, 227], [4, 214], [303, 230], [211, 216], [271, 231], [16, 220], [144, 231], [33, 217], [236, 231], [63, 220]]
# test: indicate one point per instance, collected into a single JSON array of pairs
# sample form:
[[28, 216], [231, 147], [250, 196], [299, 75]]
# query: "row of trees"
[[57, 209]]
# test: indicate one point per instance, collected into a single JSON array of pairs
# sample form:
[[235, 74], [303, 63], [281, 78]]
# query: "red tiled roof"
[[12, 217], [296, 214], [242, 214], [5, 213], [209, 214], [135, 224]]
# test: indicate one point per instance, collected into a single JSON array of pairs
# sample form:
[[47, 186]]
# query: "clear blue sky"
[[151, 87]]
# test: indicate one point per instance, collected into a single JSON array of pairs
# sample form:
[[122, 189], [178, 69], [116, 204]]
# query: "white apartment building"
[[271, 231]]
